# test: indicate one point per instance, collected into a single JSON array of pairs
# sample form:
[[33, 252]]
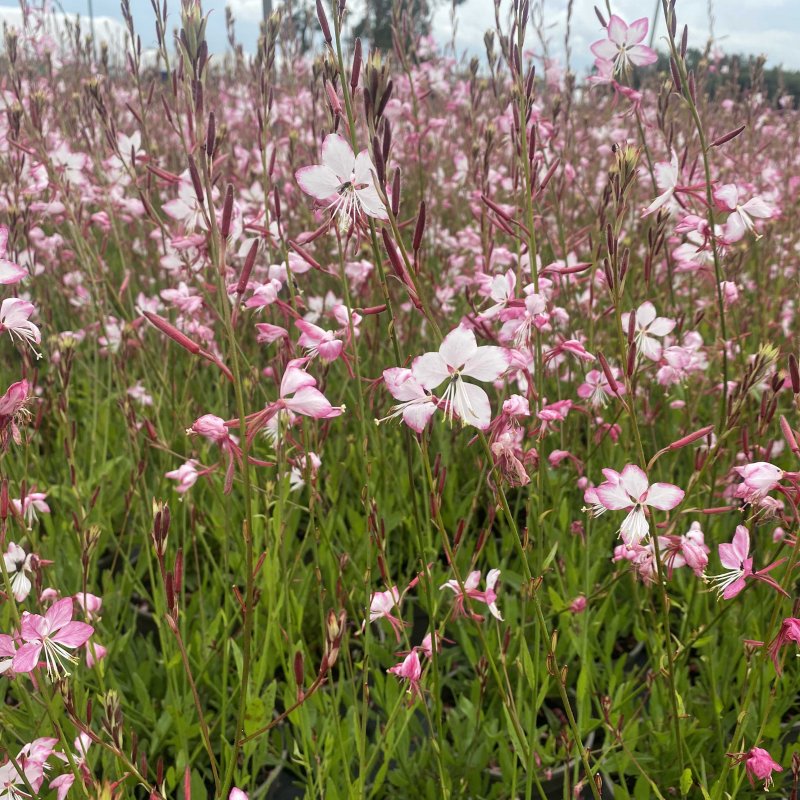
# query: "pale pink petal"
[[605, 50], [27, 657], [418, 415], [756, 207], [62, 783], [661, 326], [664, 496], [59, 614], [338, 155], [33, 627], [492, 576], [735, 228], [487, 363], [294, 379], [741, 542], [458, 346], [637, 30], [727, 196], [617, 30], [11, 272], [472, 406], [640, 55], [312, 403], [613, 496], [318, 181], [650, 348], [645, 314], [371, 202], [73, 634], [402, 384], [634, 481], [430, 369], [472, 581], [658, 202]]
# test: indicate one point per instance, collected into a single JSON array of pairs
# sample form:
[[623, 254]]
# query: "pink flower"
[[789, 632], [14, 313], [265, 294], [741, 218], [55, 633], [212, 428], [267, 334], [552, 413], [622, 47], [647, 327], [489, 596], [318, 341], [186, 475], [416, 406], [7, 652], [409, 669], [633, 492], [298, 393], [459, 355], [9, 271], [578, 605], [237, 794], [596, 387], [736, 557], [344, 182], [758, 764], [29, 505], [758, 479], [381, 606]]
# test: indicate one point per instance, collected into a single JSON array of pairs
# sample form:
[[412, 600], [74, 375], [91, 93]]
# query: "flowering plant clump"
[[376, 421]]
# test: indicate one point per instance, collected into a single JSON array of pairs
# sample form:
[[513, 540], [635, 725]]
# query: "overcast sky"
[[769, 27]]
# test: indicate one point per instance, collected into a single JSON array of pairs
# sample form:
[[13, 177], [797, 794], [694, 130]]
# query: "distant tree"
[[379, 16], [733, 74]]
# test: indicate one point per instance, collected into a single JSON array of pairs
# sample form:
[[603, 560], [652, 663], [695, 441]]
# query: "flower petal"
[[617, 30], [458, 346], [664, 496], [430, 369], [338, 156], [472, 405], [487, 363], [634, 481], [319, 181], [73, 634], [27, 657]]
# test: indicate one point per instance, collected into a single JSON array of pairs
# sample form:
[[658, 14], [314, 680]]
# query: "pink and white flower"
[[344, 182], [14, 318], [9, 271], [633, 492], [18, 564], [622, 45], [488, 596], [740, 220], [416, 406], [459, 355], [647, 327]]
